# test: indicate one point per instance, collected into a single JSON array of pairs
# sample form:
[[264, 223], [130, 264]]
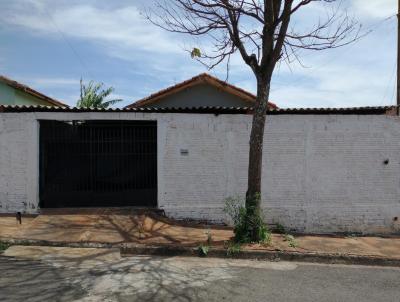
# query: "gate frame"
[[34, 171]]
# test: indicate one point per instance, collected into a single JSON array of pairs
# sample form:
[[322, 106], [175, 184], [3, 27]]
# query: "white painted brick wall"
[[16, 150], [322, 173]]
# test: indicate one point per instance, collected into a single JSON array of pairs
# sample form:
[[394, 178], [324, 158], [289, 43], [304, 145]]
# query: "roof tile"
[[201, 78], [387, 110], [30, 91]]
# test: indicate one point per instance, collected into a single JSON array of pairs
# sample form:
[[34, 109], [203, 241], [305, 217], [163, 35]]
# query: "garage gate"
[[98, 163]]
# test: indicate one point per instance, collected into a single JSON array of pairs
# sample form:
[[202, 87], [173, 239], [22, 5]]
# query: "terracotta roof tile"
[[379, 110], [31, 91], [201, 78]]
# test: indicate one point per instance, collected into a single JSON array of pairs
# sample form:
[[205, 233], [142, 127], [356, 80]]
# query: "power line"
[[372, 28], [388, 85], [63, 36], [368, 31]]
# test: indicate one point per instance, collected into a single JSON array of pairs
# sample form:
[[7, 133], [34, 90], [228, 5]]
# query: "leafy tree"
[[259, 31], [94, 96]]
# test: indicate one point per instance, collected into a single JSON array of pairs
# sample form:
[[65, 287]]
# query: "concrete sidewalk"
[[110, 226], [116, 229]]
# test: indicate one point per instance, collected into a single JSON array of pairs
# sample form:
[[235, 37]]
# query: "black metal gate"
[[98, 163]]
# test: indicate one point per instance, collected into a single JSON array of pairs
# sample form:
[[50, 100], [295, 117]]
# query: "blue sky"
[[50, 45]]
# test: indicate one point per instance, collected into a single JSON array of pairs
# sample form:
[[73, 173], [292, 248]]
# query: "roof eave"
[[378, 110], [202, 78], [33, 92]]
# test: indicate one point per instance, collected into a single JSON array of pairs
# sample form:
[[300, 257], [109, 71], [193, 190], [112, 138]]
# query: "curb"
[[131, 249], [29, 242], [138, 249]]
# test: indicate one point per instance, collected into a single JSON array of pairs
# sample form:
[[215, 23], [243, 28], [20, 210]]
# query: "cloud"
[[63, 89], [346, 82], [51, 82], [153, 59], [120, 31], [123, 27], [375, 8]]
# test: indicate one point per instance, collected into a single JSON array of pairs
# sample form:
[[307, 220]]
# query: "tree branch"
[[257, 29]]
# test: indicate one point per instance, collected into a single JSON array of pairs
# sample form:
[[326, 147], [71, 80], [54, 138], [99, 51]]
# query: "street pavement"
[[74, 274]]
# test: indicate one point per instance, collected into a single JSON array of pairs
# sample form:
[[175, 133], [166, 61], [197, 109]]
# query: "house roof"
[[35, 93], [378, 110], [201, 78]]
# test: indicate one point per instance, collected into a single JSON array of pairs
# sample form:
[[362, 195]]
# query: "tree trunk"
[[253, 194]]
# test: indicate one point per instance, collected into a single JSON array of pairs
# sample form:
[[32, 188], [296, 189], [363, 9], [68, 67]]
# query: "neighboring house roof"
[[199, 79], [378, 110], [26, 89]]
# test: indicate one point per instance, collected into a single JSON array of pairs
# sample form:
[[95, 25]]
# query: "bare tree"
[[259, 30]]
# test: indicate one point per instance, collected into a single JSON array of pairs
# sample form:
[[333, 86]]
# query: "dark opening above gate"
[[98, 163]]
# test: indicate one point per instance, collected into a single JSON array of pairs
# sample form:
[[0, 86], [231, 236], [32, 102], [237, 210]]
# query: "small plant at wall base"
[[291, 241], [246, 221], [203, 249], [233, 248], [3, 246], [280, 229]]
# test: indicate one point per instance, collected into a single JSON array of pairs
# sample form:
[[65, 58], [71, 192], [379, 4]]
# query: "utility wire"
[[85, 69], [372, 28], [392, 99], [369, 31], [389, 83]]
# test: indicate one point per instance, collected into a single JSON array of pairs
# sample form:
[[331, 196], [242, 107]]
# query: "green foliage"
[[203, 250], [94, 96], [3, 246], [291, 241], [267, 239], [233, 248], [280, 229], [195, 53], [247, 222]]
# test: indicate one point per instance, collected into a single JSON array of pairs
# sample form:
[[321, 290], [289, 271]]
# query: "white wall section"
[[321, 173]]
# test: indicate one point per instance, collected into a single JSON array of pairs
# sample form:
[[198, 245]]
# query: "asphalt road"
[[104, 276]]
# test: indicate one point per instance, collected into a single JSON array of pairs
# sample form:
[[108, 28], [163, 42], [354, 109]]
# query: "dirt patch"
[[112, 227]]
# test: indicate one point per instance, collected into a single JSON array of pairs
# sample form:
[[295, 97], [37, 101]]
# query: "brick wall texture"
[[321, 173]]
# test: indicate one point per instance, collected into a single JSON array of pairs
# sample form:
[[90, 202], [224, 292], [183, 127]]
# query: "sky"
[[50, 44]]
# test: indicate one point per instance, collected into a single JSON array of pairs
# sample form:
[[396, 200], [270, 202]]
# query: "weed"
[[233, 248], [352, 235], [291, 241], [280, 229], [268, 239], [3, 246], [247, 222], [203, 250]]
